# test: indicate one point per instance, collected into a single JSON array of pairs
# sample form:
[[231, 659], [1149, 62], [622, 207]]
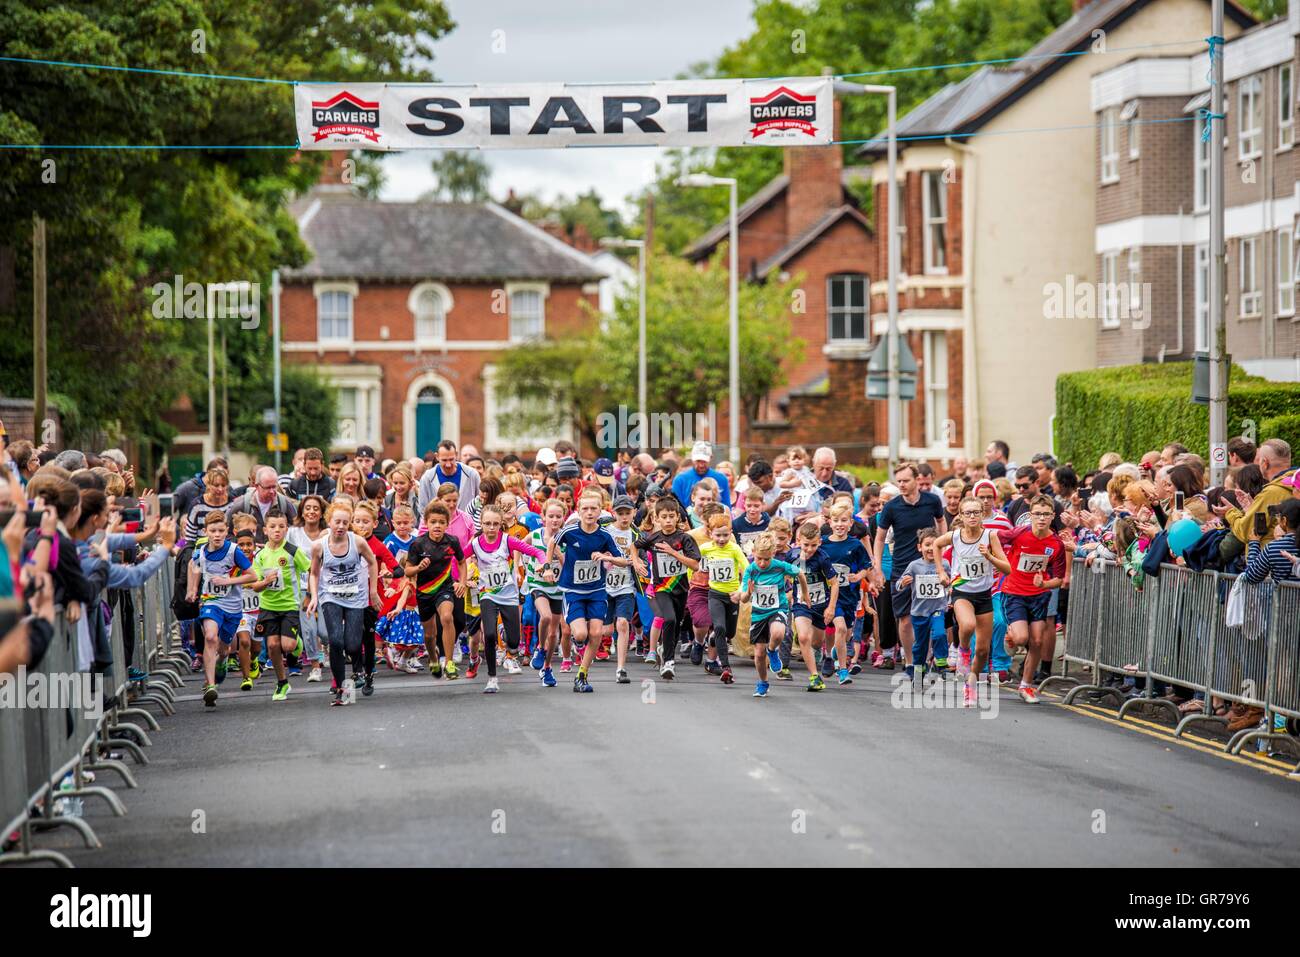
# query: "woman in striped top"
[[1277, 559]]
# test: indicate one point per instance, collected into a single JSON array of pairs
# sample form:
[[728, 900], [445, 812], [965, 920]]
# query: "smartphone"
[[1261, 524], [1178, 501], [33, 518], [165, 506], [130, 515]]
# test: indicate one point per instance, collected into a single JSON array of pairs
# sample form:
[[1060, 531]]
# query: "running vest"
[[496, 572], [971, 571], [533, 583], [618, 580], [344, 579]]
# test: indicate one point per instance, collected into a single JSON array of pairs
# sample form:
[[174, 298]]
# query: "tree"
[[586, 209], [462, 177], [308, 411], [577, 376]]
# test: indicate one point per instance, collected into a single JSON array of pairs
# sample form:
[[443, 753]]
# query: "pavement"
[[689, 772]]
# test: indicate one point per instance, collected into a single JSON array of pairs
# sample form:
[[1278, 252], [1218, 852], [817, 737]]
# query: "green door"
[[428, 421]]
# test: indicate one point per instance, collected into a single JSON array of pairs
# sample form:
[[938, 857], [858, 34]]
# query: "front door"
[[428, 421]]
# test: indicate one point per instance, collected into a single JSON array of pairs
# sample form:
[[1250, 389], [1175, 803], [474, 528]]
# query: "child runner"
[[765, 587], [852, 563], [209, 581], [812, 620], [246, 646], [1034, 552], [364, 518], [926, 576], [431, 560], [310, 526], [400, 628], [344, 574], [279, 566], [669, 551], [753, 521], [588, 551], [724, 562], [494, 554], [619, 585], [542, 584]]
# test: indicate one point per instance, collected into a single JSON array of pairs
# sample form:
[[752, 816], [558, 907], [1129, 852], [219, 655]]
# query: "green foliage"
[[575, 377], [586, 209], [461, 175], [1135, 409], [308, 411], [1285, 427], [865, 473]]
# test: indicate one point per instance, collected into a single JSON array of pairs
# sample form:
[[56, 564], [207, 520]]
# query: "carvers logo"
[[345, 115], [783, 109]]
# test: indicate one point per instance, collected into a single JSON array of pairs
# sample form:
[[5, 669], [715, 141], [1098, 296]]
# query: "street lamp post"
[[704, 179], [639, 246]]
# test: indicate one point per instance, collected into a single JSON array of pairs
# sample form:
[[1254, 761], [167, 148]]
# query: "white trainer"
[[511, 665], [491, 686]]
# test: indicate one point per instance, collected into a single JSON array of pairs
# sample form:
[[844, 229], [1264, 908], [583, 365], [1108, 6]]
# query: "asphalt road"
[[435, 773]]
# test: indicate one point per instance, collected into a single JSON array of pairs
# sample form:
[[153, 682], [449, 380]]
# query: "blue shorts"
[[814, 614], [227, 621], [588, 606], [620, 606], [1028, 608], [848, 610]]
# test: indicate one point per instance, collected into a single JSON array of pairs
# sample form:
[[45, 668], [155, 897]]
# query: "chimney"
[[1080, 4], [815, 188], [582, 240]]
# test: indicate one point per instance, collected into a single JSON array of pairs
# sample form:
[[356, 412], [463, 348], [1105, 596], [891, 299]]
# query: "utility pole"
[[275, 340], [1218, 255], [38, 328]]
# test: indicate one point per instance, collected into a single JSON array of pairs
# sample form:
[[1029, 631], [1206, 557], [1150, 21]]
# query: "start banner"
[[383, 116]]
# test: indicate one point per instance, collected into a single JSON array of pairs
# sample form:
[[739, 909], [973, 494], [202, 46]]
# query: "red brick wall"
[[815, 188], [841, 418]]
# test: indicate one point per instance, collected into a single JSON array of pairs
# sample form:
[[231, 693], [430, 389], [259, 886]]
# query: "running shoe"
[[726, 676], [390, 656], [666, 670], [452, 672], [714, 668], [337, 698], [1029, 694], [458, 655], [255, 669], [816, 683], [294, 672], [884, 663], [539, 658], [281, 691], [246, 684], [774, 661], [856, 669], [620, 677], [357, 679], [783, 675], [298, 649], [548, 678], [435, 668], [650, 657], [210, 696], [349, 694], [581, 684], [640, 648], [684, 646], [969, 697], [940, 664], [472, 671], [315, 674], [843, 676], [368, 688], [566, 665], [602, 653], [1006, 678], [697, 653], [412, 666], [511, 664], [223, 664], [828, 666], [760, 689], [491, 686]]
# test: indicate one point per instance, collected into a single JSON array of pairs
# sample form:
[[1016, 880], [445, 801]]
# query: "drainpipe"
[[1179, 283], [970, 368]]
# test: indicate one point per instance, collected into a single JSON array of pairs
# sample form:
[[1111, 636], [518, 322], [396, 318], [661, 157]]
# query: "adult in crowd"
[[686, 480], [295, 470], [215, 497], [191, 490], [259, 499], [448, 469], [313, 480], [365, 461], [1274, 460]]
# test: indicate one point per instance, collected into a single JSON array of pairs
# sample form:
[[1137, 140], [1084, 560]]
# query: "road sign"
[[268, 416], [277, 441], [1219, 456]]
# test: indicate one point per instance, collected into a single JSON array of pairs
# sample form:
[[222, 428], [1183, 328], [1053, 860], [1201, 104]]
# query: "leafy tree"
[[577, 376], [462, 177], [308, 410], [586, 209]]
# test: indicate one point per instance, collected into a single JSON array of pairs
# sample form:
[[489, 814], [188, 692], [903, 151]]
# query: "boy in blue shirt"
[[764, 587], [852, 563], [211, 581]]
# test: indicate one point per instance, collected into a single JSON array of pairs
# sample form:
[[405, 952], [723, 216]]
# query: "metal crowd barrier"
[[1175, 631], [41, 747]]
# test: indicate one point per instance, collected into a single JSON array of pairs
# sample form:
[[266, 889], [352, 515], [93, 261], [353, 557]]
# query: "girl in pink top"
[[498, 587]]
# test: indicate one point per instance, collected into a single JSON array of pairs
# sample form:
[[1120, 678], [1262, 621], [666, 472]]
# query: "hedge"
[[1134, 409], [1283, 427]]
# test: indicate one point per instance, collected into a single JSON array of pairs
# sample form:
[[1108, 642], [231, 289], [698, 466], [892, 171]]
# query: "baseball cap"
[[701, 452], [604, 469], [624, 501], [997, 470], [546, 456], [366, 451]]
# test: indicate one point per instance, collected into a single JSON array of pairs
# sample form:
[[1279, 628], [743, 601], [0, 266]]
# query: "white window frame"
[[1201, 283], [413, 304], [1250, 109], [936, 254], [322, 289], [935, 360], [1135, 279], [543, 291], [1108, 297], [1109, 145], [1285, 107], [1284, 258], [847, 311], [368, 381], [1133, 124], [1250, 300], [496, 440], [1201, 168]]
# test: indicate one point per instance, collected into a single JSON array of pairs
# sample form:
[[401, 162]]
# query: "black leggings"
[[344, 627], [671, 607], [368, 638], [724, 612], [488, 611]]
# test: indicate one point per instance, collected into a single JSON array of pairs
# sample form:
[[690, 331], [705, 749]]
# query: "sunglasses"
[[1025, 487]]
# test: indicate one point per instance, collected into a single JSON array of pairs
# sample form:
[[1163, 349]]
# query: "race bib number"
[[800, 498], [250, 601], [493, 577], [342, 589], [554, 567], [973, 568], [721, 570], [747, 540], [618, 578], [1032, 563], [586, 573], [473, 597], [767, 597], [927, 587], [211, 590], [817, 593], [842, 575], [668, 566]]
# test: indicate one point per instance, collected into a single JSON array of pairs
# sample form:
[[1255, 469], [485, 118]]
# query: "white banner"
[[381, 116]]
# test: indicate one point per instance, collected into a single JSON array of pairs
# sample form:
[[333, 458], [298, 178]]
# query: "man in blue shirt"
[[701, 456]]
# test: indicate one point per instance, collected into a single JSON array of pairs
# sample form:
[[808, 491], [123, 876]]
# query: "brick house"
[[994, 216], [808, 221], [1151, 183], [405, 306]]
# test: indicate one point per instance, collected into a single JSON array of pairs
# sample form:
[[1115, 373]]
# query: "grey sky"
[[571, 40]]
